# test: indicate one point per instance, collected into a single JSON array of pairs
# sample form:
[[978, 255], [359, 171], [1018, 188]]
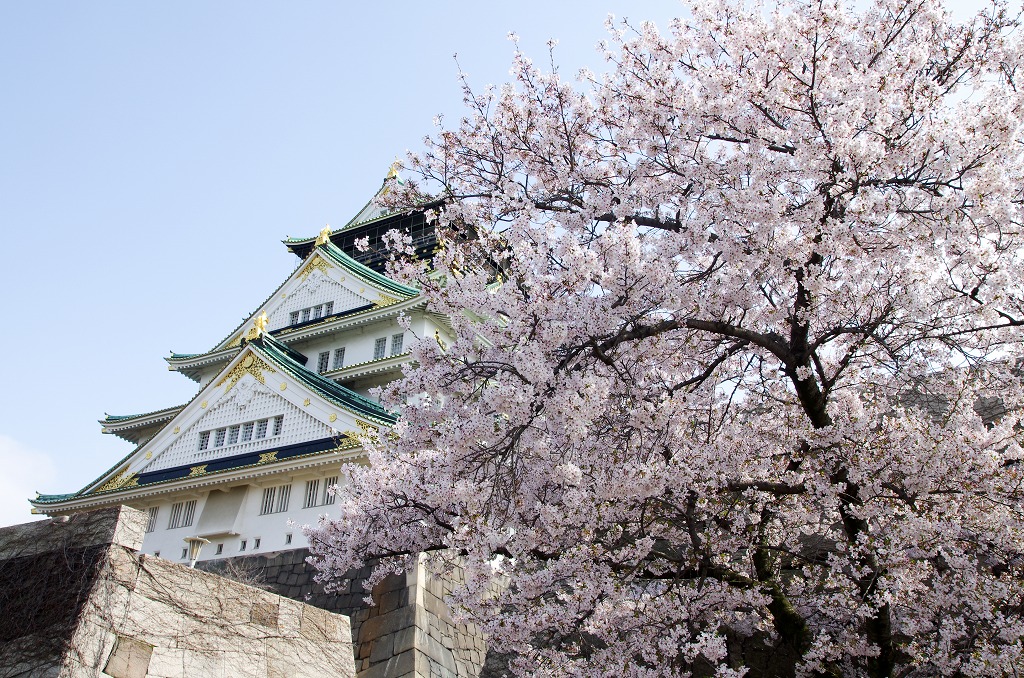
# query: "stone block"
[[383, 648]]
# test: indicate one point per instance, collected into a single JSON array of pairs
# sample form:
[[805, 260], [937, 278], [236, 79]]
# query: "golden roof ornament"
[[393, 170], [324, 237], [259, 327]]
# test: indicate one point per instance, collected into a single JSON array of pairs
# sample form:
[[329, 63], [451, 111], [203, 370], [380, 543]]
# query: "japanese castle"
[[281, 401]]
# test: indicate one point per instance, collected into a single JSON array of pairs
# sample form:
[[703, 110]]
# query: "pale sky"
[[153, 155]]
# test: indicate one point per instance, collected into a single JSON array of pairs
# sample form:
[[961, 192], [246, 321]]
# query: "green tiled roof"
[[339, 257], [322, 386], [113, 418]]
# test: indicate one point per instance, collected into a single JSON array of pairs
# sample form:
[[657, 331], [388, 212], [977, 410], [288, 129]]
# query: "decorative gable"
[[317, 294], [249, 417]]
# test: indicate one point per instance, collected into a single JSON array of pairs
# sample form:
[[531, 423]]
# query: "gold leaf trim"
[[123, 479], [250, 365], [267, 457], [197, 470], [316, 263]]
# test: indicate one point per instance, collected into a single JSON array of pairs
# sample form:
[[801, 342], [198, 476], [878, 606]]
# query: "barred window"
[[322, 360], [247, 431], [204, 440], [312, 493], [233, 435], [182, 514], [339, 357], [152, 513], [305, 314], [318, 311], [329, 308], [278, 424], [218, 440], [330, 485], [396, 343], [275, 499], [261, 428], [293, 318], [379, 346]]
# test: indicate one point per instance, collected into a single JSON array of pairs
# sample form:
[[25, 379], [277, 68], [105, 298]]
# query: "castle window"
[[275, 499], [204, 440], [182, 514], [329, 308], [261, 428], [288, 538], [184, 554], [305, 314], [218, 437], [322, 360], [242, 545], [233, 435], [278, 424], [329, 494], [247, 431], [318, 311], [220, 549], [379, 346], [396, 343], [256, 543], [293, 318], [339, 357], [151, 518], [312, 493]]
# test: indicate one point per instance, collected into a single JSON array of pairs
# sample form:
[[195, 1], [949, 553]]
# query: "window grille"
[[339, 357], [378, 348], [318, 311], [278, 424], [312, 493], [218, 440], [321, 363], [293, 318], [233, 435], [396, 343], [329, 490], [305, 314], [247, 431], [329, 308], [261, 428], [151, 518], [204, 440], [182, 514], [275, 500]]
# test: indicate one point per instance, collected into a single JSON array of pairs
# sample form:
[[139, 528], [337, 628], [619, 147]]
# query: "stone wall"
[[407, 631], [128, 616]]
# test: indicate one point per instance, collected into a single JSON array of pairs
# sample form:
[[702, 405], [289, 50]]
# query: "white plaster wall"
[[358, 343], [271, 529]]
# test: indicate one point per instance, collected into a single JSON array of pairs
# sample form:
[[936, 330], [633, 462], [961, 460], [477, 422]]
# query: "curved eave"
[[192, 365], [119, 422], [55, 504], [288, 335], [134, 428], [366, 368]]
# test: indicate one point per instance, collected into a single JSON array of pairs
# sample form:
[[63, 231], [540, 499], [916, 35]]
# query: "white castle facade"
[[251, 458]]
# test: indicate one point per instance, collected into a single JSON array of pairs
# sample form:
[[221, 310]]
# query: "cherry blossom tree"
[[734, 386]]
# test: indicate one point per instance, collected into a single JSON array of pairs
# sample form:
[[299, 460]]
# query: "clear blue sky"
[[153, 155]]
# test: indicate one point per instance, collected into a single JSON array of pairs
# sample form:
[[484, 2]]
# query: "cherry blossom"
[[733, 385]]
